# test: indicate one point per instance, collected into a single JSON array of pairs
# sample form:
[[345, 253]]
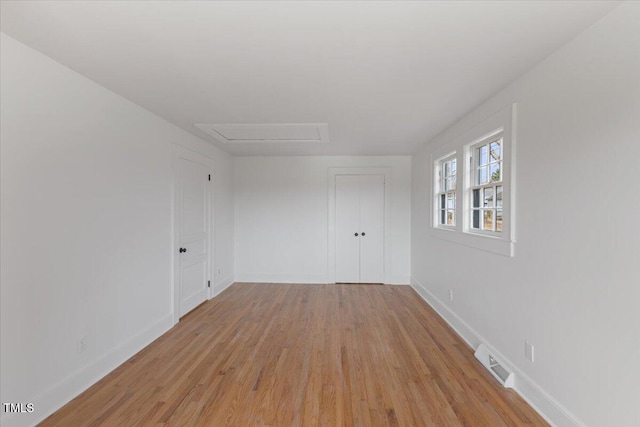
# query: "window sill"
[[491, 244]]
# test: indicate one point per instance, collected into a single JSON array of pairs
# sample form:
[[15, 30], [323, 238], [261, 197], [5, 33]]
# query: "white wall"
[[573, 287], [86, 228], [281, 224]]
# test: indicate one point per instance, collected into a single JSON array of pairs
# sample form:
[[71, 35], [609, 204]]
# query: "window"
[[446, 193], [472, 191], [486, 190]]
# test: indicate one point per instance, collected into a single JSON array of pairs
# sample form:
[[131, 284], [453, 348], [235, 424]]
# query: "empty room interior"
[[323, 213]]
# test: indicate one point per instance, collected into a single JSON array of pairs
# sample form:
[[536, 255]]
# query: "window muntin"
[[486, 190], [446, 191]]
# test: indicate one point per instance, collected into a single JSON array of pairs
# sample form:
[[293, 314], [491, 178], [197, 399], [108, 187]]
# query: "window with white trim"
[[486, 189], [472, 192], [446, 177]]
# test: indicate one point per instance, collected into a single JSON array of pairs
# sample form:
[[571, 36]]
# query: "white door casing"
[[193, 249]]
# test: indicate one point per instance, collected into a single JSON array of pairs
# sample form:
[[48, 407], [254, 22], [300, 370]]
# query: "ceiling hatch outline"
[[267, 133]]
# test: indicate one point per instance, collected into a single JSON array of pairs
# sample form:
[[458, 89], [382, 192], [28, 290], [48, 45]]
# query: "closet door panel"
[[347, 229], [372, 193]]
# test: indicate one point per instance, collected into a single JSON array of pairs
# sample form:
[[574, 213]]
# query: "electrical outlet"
[[450, 294], [528, 351], [82, 343]]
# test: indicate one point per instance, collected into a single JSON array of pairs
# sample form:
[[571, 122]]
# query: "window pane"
[[476, 198], [451, 201], [496, 150], [499, 196], [487, 220], [450, 184], [476, 219], [442, 212], [494, 172], [449, 168], [482, 175], [442, 201], [482, 155], [487, 200], [450, 218], [499, 220]]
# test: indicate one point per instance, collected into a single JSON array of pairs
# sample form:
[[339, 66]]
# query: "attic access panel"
[[268, 132]]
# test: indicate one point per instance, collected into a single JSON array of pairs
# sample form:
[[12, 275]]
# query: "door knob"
[[183, 250], [356, 234], [363, 233]]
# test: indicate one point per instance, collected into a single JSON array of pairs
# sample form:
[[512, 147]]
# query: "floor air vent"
[[497, 369]]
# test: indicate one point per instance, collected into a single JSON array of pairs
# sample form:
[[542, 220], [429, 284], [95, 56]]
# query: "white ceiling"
[[385, 76]]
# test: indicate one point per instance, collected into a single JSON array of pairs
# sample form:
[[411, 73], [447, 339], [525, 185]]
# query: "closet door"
[[347, 229], [359, 228], [372, 228]]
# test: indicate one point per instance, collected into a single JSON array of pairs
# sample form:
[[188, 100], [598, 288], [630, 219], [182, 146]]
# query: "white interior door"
[[347, 228], [359, 228], [194, 225], [372, 228]]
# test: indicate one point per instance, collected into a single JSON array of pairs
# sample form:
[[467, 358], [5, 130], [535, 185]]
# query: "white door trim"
[[331, 246], [180, 152]]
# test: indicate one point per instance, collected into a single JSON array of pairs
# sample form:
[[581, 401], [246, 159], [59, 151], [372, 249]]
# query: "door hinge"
[[209, 177], [208, 283]]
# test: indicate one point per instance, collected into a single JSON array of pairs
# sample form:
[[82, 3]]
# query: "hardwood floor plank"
[[303, 355]]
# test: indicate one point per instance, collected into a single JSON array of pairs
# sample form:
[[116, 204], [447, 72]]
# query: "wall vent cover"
[[267, 132], [500, 372]]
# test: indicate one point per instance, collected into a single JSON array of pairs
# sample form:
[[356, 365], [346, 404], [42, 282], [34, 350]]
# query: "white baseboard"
[[221, 285], [281, 278], [52, 399], [305, 279], [547, 406], [398, 280]]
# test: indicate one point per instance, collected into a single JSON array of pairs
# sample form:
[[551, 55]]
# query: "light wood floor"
[[303, 355]]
